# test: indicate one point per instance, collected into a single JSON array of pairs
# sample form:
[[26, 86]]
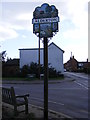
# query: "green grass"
[[19, 79], [30, 79], [56, 78]]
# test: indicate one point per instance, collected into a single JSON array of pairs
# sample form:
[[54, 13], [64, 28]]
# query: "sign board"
[[45, 20]]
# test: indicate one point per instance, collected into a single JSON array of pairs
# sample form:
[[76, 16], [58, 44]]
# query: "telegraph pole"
[[39, 54], [39, 60]]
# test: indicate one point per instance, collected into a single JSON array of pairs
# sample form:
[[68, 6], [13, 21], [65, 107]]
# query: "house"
[[73, 65], [84, 66], [55, 57], [81, 65]]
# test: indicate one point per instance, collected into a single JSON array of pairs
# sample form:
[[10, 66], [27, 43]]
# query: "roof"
[[56, 46], [30, 49], [42, 48]]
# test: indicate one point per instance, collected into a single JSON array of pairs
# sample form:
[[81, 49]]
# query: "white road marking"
[[56, 102], [48, 101], [64, 88], [81, 84]]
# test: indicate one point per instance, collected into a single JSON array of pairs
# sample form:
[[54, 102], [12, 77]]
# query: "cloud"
[[76, 35], [24, 36], [24, 16], [78, 15], [25, 21], [7, 33], [10, 26], [76, 9], [17, 27]]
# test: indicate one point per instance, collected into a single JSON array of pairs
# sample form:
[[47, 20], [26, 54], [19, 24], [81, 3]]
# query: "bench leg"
[[15, 111], [26, 109]]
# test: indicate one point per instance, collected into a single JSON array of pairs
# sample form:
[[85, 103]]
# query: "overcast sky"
[[16, 29]]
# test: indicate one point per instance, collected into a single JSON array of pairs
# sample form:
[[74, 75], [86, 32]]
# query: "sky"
[[16, 28]]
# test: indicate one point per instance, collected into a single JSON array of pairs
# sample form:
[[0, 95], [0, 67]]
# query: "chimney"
[[71, 54]]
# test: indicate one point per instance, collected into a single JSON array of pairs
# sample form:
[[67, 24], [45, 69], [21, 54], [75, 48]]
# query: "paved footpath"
[[34, 113]]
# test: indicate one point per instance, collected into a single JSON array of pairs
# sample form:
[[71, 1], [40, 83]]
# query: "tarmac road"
[[69, 98]]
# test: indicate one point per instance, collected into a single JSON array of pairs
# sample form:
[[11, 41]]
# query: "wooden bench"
[[9, 97]]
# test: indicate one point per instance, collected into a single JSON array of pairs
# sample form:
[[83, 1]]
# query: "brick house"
[[71, 65]]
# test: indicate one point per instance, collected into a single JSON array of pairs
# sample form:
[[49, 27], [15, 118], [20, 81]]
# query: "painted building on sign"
[[55, 57]]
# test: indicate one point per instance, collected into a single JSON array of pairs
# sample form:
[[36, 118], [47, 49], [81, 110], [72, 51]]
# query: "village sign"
[[45, 20], [45, 25]]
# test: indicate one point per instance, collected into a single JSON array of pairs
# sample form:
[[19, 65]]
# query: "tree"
[[3, 55]]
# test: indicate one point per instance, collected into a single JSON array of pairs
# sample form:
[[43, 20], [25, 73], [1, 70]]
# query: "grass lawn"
[[30, 79], [19, 79]]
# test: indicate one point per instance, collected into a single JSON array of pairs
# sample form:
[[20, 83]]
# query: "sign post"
[[45, 78], [45, 25], [39, 60]]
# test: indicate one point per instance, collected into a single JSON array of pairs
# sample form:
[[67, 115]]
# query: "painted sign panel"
[[45, 20], [54, 27], [36, 28], [45, 11], [45, 30]]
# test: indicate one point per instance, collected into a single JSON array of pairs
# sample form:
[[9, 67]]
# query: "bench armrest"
[[22, 96]]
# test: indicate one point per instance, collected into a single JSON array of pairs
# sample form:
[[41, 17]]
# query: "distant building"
[[55, 57], [73, 65], [84, 66]]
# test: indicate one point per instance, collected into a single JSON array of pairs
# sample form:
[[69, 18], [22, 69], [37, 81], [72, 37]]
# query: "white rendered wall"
[[29, 56], [55, 57]]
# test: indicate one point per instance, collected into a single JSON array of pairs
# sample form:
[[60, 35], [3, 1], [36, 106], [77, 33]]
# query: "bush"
[[87, 70], [34, 69], [24, 71]]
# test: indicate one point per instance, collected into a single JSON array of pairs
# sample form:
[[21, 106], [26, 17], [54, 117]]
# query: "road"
[[80, 78], [69, 98]]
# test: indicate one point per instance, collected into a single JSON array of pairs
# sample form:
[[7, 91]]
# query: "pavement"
[[34, 113]]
